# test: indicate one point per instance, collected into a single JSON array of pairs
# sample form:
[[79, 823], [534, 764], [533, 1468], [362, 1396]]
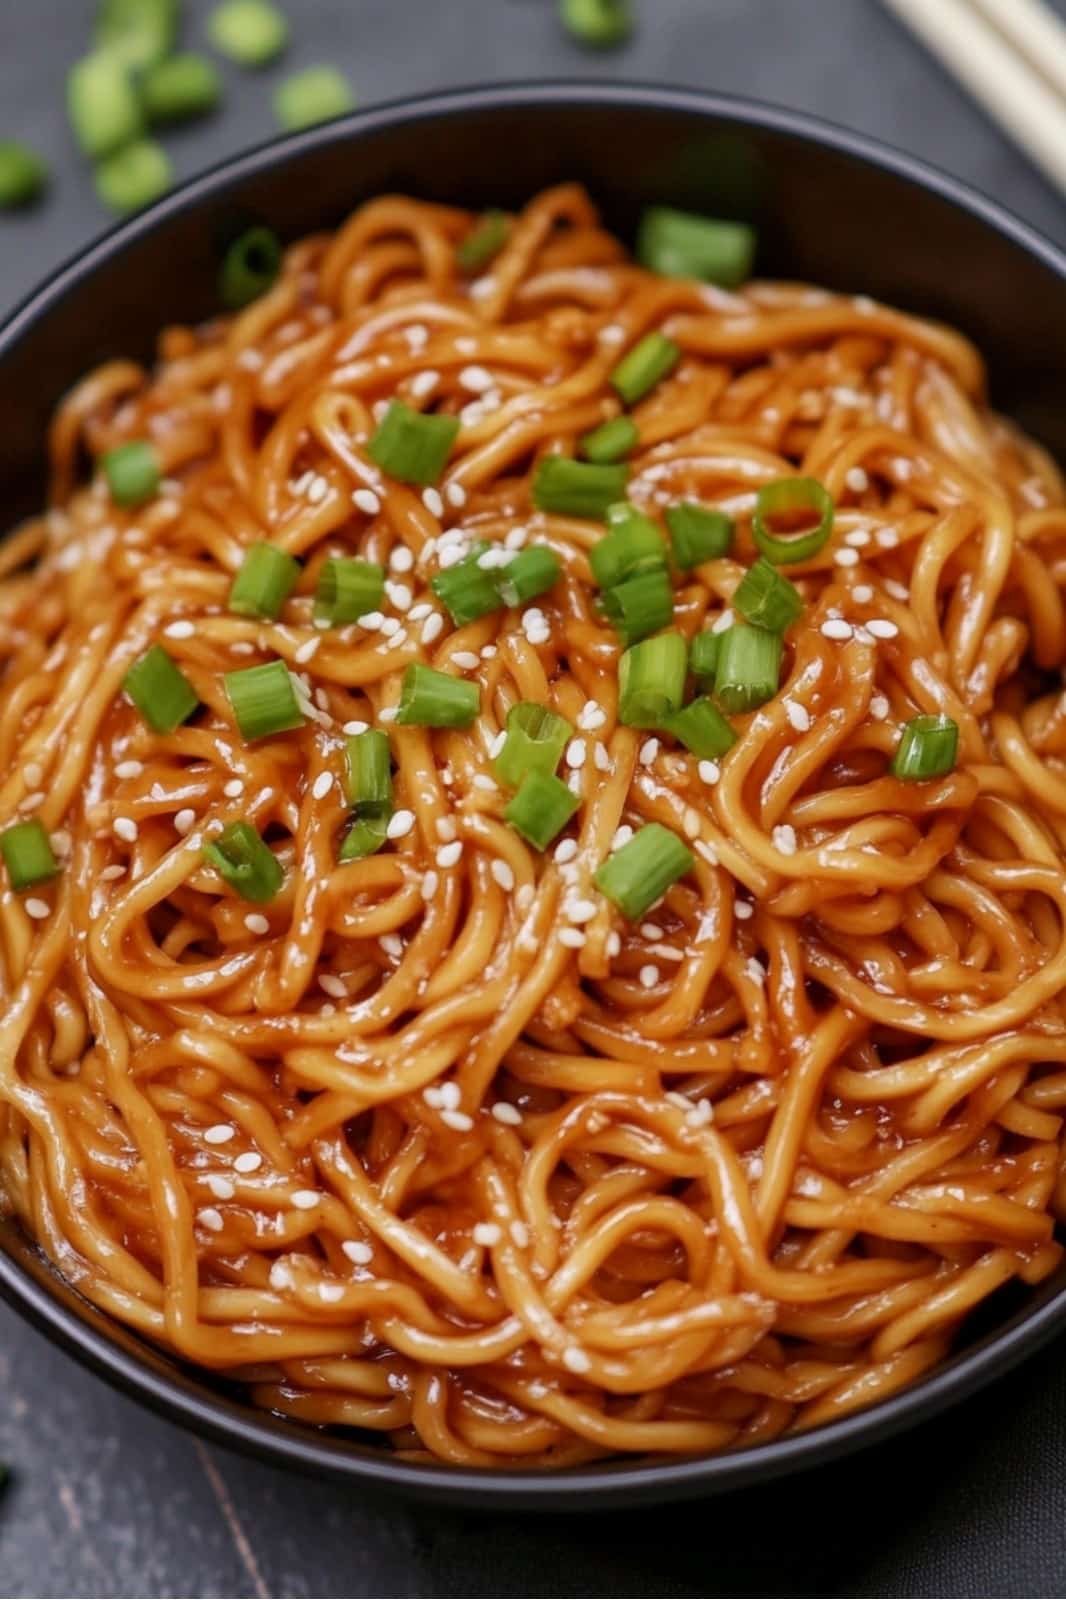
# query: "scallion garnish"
[[639, 874], [468, 590], [314, 95], [701, 728], [182, 87], [536, 738], [485, 240], [678, 244], [264, 581], [248, 865], [102, 104], [541, 808], [641, 605], [413, 446], [250, 32], [793, 501], [263, 699], [533, 571], [132, 472], [928, 748], [641, 368], [749, 667], [133, 176], [365, 836], [571, 488], [611, 441], [431, 699], [368, 773], [632, 544], [138, 32], [160, 690], [22, 175], [698, 533], [651, 680], [703, 657], [599, 24], [348, 588], [766, 597], [27, 853], [249, 267]]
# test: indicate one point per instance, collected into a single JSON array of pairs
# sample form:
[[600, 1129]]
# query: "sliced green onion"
[[27, 854], [597, 24], [102, 104], [250, 32], [749, 667], [185, 86], [312, 96], [132, 472], [794, 499], [536, 738], [468, 590], [571, 488], [639, 606], [928, 748], [365, 836], [533, 571], [765, 596], [698, 533], [368, 773], [431, 699], [541, 808], [247, 864], [139, 32], [249, 268], [632, 544], [485, 240], [644, 366], [134, 176], [411, 445], [160, 690], [611, 441], [263, 699], [22, 175], [701, 728], [651, 680], [703, 656], [265, 579], [639, 874], [678, 244], [348, 588]]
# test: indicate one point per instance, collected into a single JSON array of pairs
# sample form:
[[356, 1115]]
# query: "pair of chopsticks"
[[1011, 56]]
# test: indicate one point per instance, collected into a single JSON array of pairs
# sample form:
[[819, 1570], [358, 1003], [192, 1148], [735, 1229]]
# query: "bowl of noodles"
[[534, 797]]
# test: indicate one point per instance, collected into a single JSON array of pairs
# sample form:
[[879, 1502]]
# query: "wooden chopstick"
[[987, 62]]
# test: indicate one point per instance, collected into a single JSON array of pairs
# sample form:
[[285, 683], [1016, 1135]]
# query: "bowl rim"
[[177, 1395]]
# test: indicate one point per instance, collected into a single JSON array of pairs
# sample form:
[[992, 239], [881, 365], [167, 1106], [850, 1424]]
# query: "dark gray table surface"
[[107, 1500]]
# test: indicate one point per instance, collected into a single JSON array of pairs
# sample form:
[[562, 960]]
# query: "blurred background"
[[104, 1499]]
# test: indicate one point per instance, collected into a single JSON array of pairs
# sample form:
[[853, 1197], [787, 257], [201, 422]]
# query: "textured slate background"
[[107, 1500]]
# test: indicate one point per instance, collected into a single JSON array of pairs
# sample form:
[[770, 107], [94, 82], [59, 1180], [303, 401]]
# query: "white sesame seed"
[[648, 751], [401, 559], [506, 1113], [481, 289], [61, 842], [503, 875], [430, 884], [483, 781], [332, 985], [565, 850], [400, 595], [125, 828], [457, 1120], [862, 593], [622, 835], [357, 1251], [755, 970], [450, 854], [450, 1095], [516, 538], [836, 628], [424, 382], [466, 660], [882, 628], [109, 874], [743, 910], [720, 624], [846, 557], [784, 838], [455, 495], [487, 1234], [701, 1114], [371, 620], [497, 743], [857, 480], [248, 1161], [222, 1188], [317, 490], [432, 1096], [255, 922], [184, 819], [858, 539], [352, 728], [432, 628], [211, 1219], [219, 1133], [580, 910], [887, 538], [182, 629], [366, 500], [125, 769], [614, 944], [392, 945], [690, 821], [445, 828], [390, 627], [575, 754], [573, 938], [281, 1276], [417, 335], [37, 909], [591, 716], [649, 976], [322, 785], [707, 851], [306, 1199], [233, 788], [879, 707], [897, 590], [575, 1359], [798, 716], [305, 651], [331, 1292], [475, 379], [388, 713], [432, 501], [400, 824]]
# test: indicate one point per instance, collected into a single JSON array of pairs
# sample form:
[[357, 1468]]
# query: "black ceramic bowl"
[[832, 208]]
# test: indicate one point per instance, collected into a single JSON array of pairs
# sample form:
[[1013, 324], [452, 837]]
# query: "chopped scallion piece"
[[533, 571], [248, 865], [641, 368], [632, 544], [348, 588], [412, 445], [312, 96], [181, 87], [263, 699], [701, 728], [536, 738], [698, 533], [749, 667], [368, 773], [468, 590], [611, 441], [132, 472], [249, 268], [928, 748], [160, 690], [639, 606], [250, 32], [27, 853], [571, 488], [678, 244], [22, 175], [597, 24], [134, 176], [639, 874], [485, 240], [139, 32], [793, 501], [364, 838], [431, 699], [541, 808], [765, 596], [102, 104], [651, 680], [264, 581], [703, 657]]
